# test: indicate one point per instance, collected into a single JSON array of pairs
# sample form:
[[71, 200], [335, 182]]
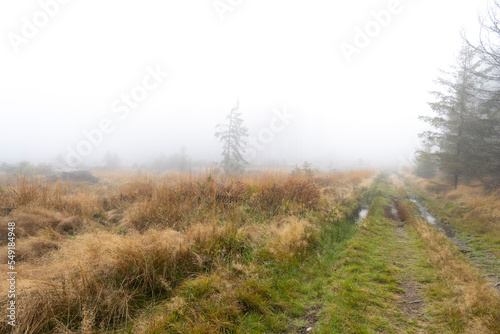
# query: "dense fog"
[[337, 83]]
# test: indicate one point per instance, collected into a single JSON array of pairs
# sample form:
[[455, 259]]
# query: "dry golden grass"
[[484, 206], [291, 238], [33, 248], [106, 273], [61, 196], [343, 179], [94, 254], [339, 186]]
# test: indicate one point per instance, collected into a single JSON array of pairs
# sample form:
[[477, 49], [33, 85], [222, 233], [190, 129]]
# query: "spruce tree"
[[233, 136], [453, 145]]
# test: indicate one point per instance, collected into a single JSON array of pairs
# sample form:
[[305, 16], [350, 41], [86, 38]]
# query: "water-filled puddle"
[[448, 230], [362, 215], [423, 212]]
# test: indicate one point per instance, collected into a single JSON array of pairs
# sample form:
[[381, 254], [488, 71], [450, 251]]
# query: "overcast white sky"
[[65, 78]]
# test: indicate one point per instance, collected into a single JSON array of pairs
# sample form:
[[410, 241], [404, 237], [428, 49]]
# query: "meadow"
[[175, 252]]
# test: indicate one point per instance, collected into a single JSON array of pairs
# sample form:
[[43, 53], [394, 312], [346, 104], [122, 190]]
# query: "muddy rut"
[[487, 262]]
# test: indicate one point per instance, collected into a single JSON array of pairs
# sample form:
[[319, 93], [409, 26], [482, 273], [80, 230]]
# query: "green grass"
[[366, 281]]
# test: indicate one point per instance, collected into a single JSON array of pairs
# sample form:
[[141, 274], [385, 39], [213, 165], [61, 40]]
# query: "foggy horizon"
[[162, 76]]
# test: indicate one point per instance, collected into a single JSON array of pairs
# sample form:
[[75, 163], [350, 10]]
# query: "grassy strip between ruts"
[[386, 260], [367, 283]]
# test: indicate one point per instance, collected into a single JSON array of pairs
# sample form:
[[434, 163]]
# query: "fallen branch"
[[497, 284]]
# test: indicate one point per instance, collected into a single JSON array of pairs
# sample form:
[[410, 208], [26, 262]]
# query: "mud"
[[391, 212], [412, 304]]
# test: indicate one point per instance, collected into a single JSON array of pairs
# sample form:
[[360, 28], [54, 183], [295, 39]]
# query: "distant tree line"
[[465, 143], [26, 168], [177, 161]]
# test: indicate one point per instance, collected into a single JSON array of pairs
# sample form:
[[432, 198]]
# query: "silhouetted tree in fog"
[[184, 161], [112, 160], [233, 136], [459, 109], [487, 127]]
